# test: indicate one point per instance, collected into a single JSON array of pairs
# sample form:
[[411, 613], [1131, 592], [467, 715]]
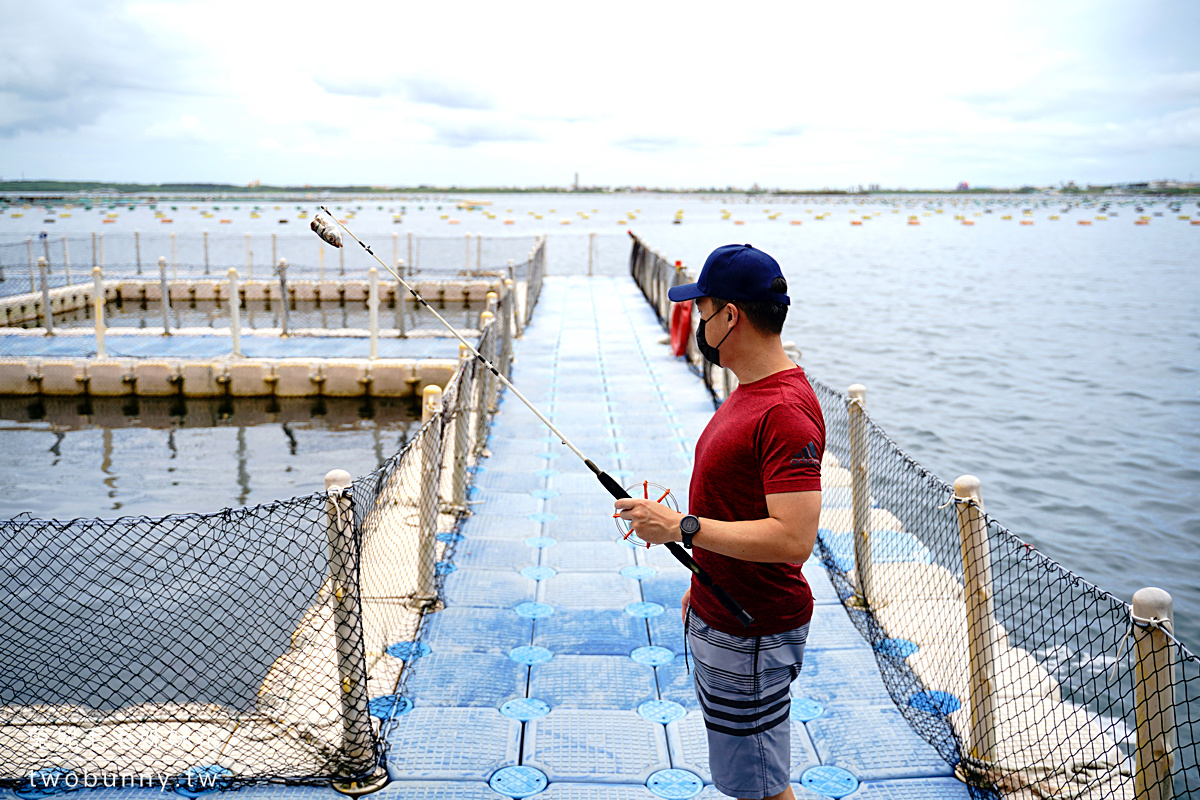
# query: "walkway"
[[557, 662]]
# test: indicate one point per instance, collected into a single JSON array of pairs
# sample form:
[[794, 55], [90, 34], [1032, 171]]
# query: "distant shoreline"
[[48, 190]]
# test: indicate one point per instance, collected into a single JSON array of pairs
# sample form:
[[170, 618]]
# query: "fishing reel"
[[647, 490]]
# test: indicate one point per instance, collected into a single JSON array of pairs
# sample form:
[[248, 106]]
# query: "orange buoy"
[[914, 222], [797, 222], [165, 219], [1026, 222], [856, 222], [1085, 222]]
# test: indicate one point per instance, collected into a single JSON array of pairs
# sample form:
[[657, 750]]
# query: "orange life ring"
[[681, 327]]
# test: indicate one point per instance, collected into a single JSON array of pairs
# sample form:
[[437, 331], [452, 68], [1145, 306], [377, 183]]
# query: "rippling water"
[[1060, 363]]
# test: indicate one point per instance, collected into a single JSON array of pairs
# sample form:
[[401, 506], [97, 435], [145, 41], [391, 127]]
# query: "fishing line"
[[324, 228]]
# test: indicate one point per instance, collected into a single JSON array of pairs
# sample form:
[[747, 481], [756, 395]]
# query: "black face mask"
[[713, 354]]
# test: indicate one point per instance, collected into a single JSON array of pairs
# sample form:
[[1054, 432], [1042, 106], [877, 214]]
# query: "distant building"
[[963, 186]]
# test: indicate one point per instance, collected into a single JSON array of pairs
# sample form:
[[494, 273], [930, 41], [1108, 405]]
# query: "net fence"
[[254, 644], [1029, 679]]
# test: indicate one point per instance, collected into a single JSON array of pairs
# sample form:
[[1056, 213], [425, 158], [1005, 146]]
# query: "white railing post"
[[98, 303], [205, 252], [1154, 693], [235, 311], [373, 310], [249, 259], [47, 311], [66, 260], [401, 299], [981, 621], [860, 473], [591, 250], [137, 250], [409, 260], [342, 261], [462, 439], [481, 390], [467, 265], [431, 464], [344, 565], [166, 294], [281, 268], [32, 264], [395, 246], [274, 249]]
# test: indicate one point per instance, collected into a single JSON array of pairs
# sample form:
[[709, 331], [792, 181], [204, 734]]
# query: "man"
[[755, 502]]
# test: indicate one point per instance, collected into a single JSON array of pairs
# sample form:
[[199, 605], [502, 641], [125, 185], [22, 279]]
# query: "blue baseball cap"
[[735, 272]]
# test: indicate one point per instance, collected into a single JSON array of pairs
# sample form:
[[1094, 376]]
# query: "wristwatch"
[[689, 526]]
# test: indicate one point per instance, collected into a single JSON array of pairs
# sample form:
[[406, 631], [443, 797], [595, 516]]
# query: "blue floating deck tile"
[[666, 631], [465, 680], [514, 481], [484, 740], [675, 684], [594, 791], [832, 629], [476, 630], [822, 587], [507, 554], [841, 677], [688, 741], [577, 526], [512, 527], [591, 556], [590, 632], [887, 547], [667, 587], [590, 590], [886, 747], [592, 682], [485, 588], [913, 789], [495, 501], [595, 746], [424, 790]]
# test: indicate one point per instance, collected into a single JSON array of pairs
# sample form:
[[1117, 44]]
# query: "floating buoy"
[[1054, 216], [453, 221], [1026, 222], [564, 222], [165, 219], [226, 221], [914, 222], [1141, 222], [856, 222], [968, 222], [739, 222], [105, 221], [510, 222], [1085, 222], [797, 222]]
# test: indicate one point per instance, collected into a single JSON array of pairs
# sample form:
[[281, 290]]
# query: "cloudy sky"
[[794, 94]]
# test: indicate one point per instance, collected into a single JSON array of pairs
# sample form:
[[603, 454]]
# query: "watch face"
[[689, 524]]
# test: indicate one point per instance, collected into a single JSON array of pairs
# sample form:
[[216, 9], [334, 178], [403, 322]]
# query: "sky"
[[795, 95]]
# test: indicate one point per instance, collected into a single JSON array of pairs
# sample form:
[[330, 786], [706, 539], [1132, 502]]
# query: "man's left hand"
[[652, 522]]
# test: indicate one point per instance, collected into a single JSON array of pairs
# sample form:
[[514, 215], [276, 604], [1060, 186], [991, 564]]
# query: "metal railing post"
[[66, 260], [860, 473], [205, 252], [395, 247], [462, 439], [401, 299], [281, 268], [1154, 759], [47, 311], [373, 310], [235, 311], [32, 264], [409, 260], [591, 250], [467, 264], [981, 620], [165, 288], [274, 249], [98, 303], [481, 389], [510, 323], [431, 464], [344, 564], [137, 250]]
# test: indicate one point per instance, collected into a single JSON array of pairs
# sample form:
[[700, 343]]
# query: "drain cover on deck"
[[518, 782], [652, 656], [675, 784], [525, 709], [534, 610], [804, 710], [661, 711], [408, 651], [539, 573], [829, 781], [644, 610], [530, 655], [389, 706]]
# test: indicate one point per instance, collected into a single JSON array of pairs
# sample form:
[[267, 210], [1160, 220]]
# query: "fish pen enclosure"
[[1028, 679], [257, 643]]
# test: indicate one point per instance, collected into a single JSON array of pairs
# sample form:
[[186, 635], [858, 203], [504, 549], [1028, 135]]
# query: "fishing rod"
[[324, 228]]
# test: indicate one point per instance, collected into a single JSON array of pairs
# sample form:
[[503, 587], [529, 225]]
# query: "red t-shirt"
[[768, 437]]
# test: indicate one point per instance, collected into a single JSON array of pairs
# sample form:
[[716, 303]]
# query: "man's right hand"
[[686, 595]]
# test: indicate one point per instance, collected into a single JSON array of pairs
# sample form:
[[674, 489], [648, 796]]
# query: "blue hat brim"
[[688, 291]]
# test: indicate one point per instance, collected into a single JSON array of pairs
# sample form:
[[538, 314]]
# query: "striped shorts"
[[743, 688]]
